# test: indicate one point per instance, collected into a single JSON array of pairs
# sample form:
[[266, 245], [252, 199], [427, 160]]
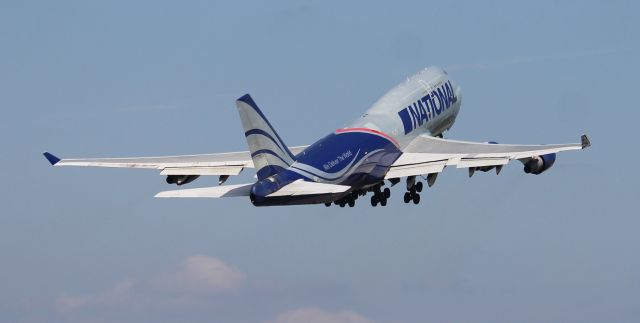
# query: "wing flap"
[[413, 169], [210, 192], [480, 162], [211, 170]]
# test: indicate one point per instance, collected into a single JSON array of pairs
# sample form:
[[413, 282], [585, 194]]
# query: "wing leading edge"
[[429, 155], [208, 164]]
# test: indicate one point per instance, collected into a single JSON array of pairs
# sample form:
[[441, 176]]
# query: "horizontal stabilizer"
[[301, 187], [211, 192]]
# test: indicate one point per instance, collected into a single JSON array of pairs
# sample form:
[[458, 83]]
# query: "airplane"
[[399, 136]]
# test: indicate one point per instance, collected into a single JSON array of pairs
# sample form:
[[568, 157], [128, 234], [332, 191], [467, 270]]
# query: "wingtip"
[[51, 158], [586, 143], [163, 194]]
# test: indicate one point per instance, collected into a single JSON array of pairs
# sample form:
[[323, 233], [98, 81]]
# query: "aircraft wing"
[[296, 188], [208, 164], [428, 155]]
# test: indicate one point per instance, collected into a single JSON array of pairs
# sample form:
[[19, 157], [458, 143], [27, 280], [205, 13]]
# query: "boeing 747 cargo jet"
[[400, 136]]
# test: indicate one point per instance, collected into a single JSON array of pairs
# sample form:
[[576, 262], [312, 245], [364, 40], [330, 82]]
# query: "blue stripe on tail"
[[248, 100], [269, 152]]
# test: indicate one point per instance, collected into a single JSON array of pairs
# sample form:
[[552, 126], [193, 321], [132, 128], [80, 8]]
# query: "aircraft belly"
[[300, 199]]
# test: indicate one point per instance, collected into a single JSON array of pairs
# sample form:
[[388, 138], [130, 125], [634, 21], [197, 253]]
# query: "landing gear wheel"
[[341, 204], [419, 187], [328, 204], [416, 198], [352, 203], [387, 193], [374, 201], [407, 197], [383, 202]]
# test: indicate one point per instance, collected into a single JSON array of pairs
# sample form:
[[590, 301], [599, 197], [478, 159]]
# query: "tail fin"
[[270, 154]]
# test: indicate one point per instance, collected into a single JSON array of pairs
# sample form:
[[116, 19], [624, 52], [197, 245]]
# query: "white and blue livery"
[[399, 136]]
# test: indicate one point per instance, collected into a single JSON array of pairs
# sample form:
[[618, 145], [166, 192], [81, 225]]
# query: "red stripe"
[[380, 133]]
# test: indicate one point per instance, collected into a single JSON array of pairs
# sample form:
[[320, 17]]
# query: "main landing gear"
[[413, 188], [380, 197], [349, 200]]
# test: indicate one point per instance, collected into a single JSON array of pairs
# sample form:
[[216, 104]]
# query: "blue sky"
[[135, 78]]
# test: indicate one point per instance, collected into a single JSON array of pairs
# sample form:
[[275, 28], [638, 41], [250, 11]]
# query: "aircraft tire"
[[328, 204], [387, 193], [374, 201], [383, 202], [416, 198], [407, 197], [352, 203], [419, 187]]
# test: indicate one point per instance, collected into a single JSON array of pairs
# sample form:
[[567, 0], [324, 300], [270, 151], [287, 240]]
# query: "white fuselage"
[[419, 100]]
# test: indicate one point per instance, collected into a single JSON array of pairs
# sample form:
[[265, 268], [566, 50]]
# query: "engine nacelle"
[[538, 164], [181, 179]]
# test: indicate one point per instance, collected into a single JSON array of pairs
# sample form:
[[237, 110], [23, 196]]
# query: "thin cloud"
[[198, 277], [118, 294], [202, 274], [316, 315]]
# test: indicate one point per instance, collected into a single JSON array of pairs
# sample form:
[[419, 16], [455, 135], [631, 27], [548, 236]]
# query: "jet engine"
[[538, 164], [181, 179]]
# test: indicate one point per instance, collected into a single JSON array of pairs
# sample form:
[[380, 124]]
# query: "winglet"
[[585, 141], [51, 158]]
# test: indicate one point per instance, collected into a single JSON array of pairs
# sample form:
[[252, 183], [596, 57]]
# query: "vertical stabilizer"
[[270, 154]]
